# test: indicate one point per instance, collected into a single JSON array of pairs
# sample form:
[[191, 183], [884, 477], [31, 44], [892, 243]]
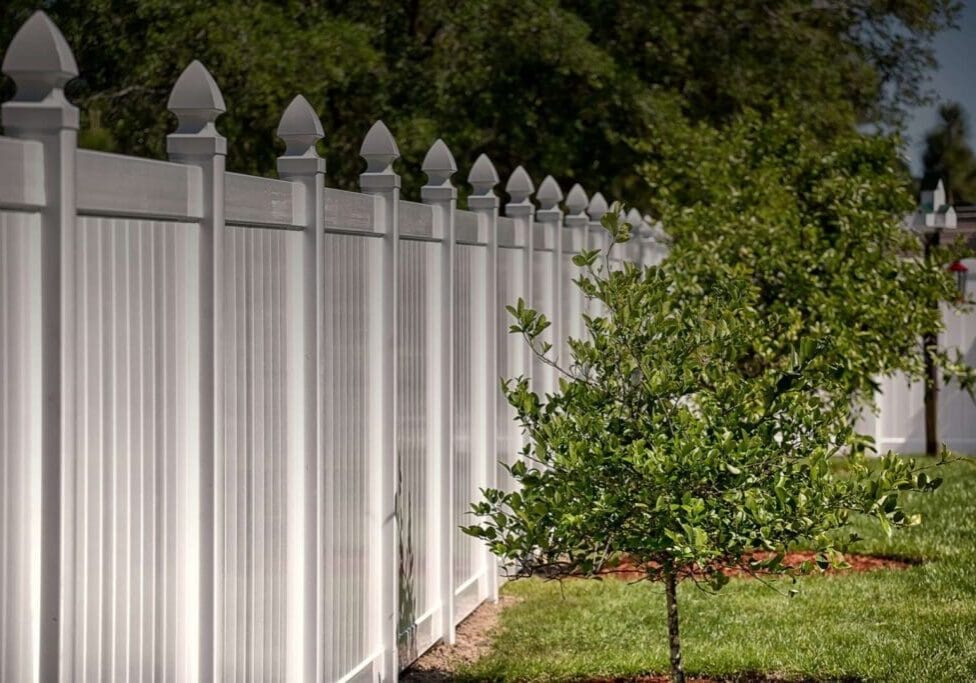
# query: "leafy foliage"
[[681, 436], [820, 234], [692, 427], [571, 87]]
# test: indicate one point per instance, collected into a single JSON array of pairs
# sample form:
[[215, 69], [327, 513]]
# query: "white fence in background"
[[241, 418], [899, 425]]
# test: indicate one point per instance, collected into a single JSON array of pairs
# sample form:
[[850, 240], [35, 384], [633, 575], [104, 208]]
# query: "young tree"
[[682, 439]]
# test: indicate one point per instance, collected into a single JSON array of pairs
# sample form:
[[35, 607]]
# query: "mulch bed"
[[628, 571], [739, 678]]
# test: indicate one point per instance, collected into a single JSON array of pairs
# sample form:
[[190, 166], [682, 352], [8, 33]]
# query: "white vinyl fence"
[[241, 419], [899, 425]]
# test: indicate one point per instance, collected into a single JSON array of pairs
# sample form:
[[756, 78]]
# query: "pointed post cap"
[[195, 99], [576, 200], [598, 207], [439, 164], [634, 218], [519, 185], [379, 149], [38, 59], [483, 176], [549, 194], [300, 128]]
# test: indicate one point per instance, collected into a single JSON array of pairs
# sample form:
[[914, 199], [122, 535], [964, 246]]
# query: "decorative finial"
[[300, 128], [439, 164], [39, 60], [598, 207], [483, 176], [549, 194], [379, 149], [576, 200], [196, 100], [635, 220], [519, 185]]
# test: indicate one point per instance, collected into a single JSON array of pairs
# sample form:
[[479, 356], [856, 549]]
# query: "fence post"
[[596, 238], [484, 202], [440, 194], [40, 63], [576, 204], [648, 244], [382, 182], [634, 247], [596, 210], [300, 129], [574, 236], [196, 101], [550, 218], [520, 209]]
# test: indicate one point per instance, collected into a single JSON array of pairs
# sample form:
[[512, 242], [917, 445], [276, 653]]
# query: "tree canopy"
[[820, 232], [683, 439], [572, 87]]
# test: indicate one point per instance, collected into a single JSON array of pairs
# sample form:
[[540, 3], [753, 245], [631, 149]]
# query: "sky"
[[954, 81]]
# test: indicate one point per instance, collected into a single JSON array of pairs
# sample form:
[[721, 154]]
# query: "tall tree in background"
[[568, 87], [949, 157]]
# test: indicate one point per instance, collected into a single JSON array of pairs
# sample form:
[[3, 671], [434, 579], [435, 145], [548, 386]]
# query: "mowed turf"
[[917, 624]]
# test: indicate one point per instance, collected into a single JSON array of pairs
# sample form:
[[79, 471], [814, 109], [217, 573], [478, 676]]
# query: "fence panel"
[[900, 423], [20, 442], [258, 337], [470, 435], [513, 356], [352, 330], [419, 444], [129, 587]]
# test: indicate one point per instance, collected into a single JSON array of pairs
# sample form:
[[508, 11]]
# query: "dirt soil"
[[474, 634]]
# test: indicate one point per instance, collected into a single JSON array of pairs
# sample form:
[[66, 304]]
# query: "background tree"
[[682, 439], [948, 156], [570, 87], [821, 234]]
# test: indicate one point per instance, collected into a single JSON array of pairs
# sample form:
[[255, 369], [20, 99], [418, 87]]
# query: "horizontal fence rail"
[[242, 418]]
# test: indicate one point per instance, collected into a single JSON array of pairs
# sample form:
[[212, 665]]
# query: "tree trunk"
[[674, 640], [930, 341]]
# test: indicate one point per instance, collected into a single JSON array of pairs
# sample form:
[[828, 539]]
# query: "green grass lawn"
[[913, 625]]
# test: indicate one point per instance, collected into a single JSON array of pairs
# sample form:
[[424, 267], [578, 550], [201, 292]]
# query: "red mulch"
[[628, 571], [740, 678]]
